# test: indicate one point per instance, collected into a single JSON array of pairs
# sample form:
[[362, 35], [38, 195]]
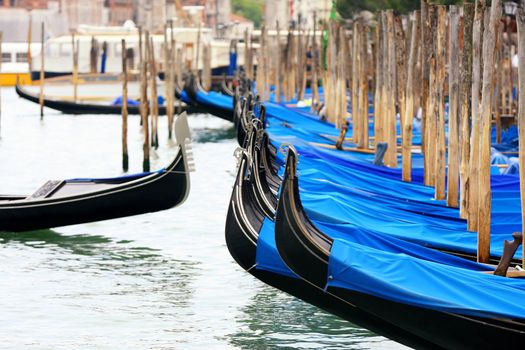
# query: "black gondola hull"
[[157, 192], [192, 88], [243, 223], [305, 252], [70, 107]]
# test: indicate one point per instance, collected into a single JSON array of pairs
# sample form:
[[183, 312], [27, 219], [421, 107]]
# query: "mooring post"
[[391, 153], [521, 114], [261, 67], [315, 67], [426, 42], [168, 79], [363, 86], [29, 40], [197, 50], [302, 61], [154, 96], [125, 159], [144, 110], [453, 108], [498, 83], [473, 193], [401, 73], [440, 170], [42, 76], [74, 53], [408, 120], [206, 66], [378, 98], [484, 210], [341, 80], [464, 117], [354, 92]]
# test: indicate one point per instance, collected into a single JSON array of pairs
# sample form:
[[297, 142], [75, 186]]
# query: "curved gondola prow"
[[295, 234], [183, 137], [177, 89], [245, 217], [224, 87], [262, 115], [190, 86], [263, 192], [238, 120], [21, 92]]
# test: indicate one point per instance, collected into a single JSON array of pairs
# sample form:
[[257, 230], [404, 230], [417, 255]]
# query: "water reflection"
[[136, 270], [82, 244], [273, 319]]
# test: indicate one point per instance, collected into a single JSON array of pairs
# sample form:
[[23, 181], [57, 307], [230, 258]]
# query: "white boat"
[[58, 58], [15, 63]]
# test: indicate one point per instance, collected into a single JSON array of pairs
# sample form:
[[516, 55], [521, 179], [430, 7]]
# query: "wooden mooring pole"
[[408, 120], [426, 40], [154, 103], [74, 52], [378, 96], [453, 109], [464, 117], [439, 101], [521, 114], [125, 158], [144, 110], [168, 77], [484, 210], [390, 96], [363, 82], [472, 223], [278, 64], [42, 56]]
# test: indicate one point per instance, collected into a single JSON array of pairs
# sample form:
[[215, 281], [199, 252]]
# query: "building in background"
[[120, 11], [150, 14], [25, 4], [90, 12], [239, 25], [277, 11], [295, 13], [16, 15], [303, 12]]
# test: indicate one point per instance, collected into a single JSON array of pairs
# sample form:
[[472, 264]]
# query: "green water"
[[155, 281]]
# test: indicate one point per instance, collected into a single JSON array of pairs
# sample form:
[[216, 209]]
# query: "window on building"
[[21, 57], [6, 57]]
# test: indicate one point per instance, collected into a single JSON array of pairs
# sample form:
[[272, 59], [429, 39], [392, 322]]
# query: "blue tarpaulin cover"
[[406, 279]]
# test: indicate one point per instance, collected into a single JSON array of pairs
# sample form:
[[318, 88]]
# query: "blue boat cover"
[[406, 279]]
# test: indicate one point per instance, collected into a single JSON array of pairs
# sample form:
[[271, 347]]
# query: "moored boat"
[[72, 107], [249, 216], [75, 201], [449, 301]]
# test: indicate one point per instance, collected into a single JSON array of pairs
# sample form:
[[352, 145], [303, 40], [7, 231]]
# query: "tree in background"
[[251, 9]]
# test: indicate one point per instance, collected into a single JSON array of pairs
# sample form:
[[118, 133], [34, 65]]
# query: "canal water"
[[154, 281]]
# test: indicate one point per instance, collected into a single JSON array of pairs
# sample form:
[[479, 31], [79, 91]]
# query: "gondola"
[[203, 102], [70, 107], [250, 205], [68, 202], [223, 87], [308, 251]]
